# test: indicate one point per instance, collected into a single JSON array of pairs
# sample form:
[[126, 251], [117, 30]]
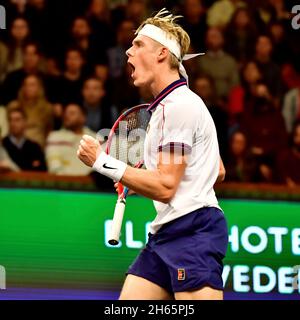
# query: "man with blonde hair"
[[188, 239]]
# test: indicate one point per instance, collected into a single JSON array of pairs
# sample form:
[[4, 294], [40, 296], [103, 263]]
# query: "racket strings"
[[127, 143]]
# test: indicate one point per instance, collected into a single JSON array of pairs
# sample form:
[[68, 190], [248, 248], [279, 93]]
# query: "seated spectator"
[[240, 94], [241, 165], [270, 70], [240, 35], [264, 127], [98, 115], [291, 108], [32, 60], [27, 154], [220, 13], [16, 8], [83, 38], [204, 87], [98, 15], [218, 64], [3, 122], [101, 72], [62, 145], [290, 77], [194, 22], [11, 53], [52, 80], [281, 12], [3, 60], [134, 10], [37, 109], [117, 58], [41, 23], [72, 79], [281, 50], [289, 161], [123, 93], [6, 164]]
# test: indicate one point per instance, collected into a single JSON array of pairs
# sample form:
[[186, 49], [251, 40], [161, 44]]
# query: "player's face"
[[142, 57]]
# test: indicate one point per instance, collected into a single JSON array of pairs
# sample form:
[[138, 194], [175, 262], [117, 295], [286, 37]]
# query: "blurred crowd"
[[63, 73]]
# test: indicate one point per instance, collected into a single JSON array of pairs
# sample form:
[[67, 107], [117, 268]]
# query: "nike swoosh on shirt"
[[106, 167]]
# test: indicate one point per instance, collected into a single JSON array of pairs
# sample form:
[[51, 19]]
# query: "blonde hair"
[[165, 20]]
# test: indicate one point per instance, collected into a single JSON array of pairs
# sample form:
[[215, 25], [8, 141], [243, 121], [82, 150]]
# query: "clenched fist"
[[88, 150]]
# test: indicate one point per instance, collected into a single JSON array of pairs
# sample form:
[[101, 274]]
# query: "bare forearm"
[[151, 184]]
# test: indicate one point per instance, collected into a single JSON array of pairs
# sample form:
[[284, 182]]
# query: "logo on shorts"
[[181, 274]]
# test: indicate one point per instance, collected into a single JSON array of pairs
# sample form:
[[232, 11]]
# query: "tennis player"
[[188, 239]]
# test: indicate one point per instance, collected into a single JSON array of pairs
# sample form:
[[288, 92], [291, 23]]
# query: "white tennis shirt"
[[181, 121]]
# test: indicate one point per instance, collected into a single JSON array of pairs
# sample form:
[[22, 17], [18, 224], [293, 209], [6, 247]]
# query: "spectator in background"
[[101, 72], [11, 54], [290, 77], [263, 13], [6, 164], [98, 115], [239, 95], [194, 22], [291, 108], [37, 109], [117, 58], [240, 35], [3, 60], [134, 10], [73, 76], [124, 93], [281, 52], [17, 8], [288, 163], [27, 154], [41, 22], [280, 11], [82, 38], [220, 13], [270, 70], [204, 87], [218, 64], [32, 64], [98, 15], [241, 165], [62, 145], [52, 84], [264, 127], [52, 79], [3, 122]]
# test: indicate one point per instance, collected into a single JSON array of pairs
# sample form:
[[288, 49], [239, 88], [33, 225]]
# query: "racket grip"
[[117, 222]]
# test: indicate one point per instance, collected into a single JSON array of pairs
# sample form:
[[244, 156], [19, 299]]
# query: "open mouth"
[[132, 68]]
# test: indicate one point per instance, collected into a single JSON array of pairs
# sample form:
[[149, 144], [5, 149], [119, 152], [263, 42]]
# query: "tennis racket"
[[126, 143]]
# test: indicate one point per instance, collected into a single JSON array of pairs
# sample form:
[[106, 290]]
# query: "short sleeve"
[[178, 128]]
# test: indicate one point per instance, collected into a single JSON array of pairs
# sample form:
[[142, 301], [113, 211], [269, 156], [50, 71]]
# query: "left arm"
[[160, 184]]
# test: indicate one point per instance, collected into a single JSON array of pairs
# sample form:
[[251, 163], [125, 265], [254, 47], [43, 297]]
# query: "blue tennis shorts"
[[186, 253]]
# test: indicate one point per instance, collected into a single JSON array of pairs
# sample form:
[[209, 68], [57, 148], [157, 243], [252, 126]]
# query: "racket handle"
[[117, 222]]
